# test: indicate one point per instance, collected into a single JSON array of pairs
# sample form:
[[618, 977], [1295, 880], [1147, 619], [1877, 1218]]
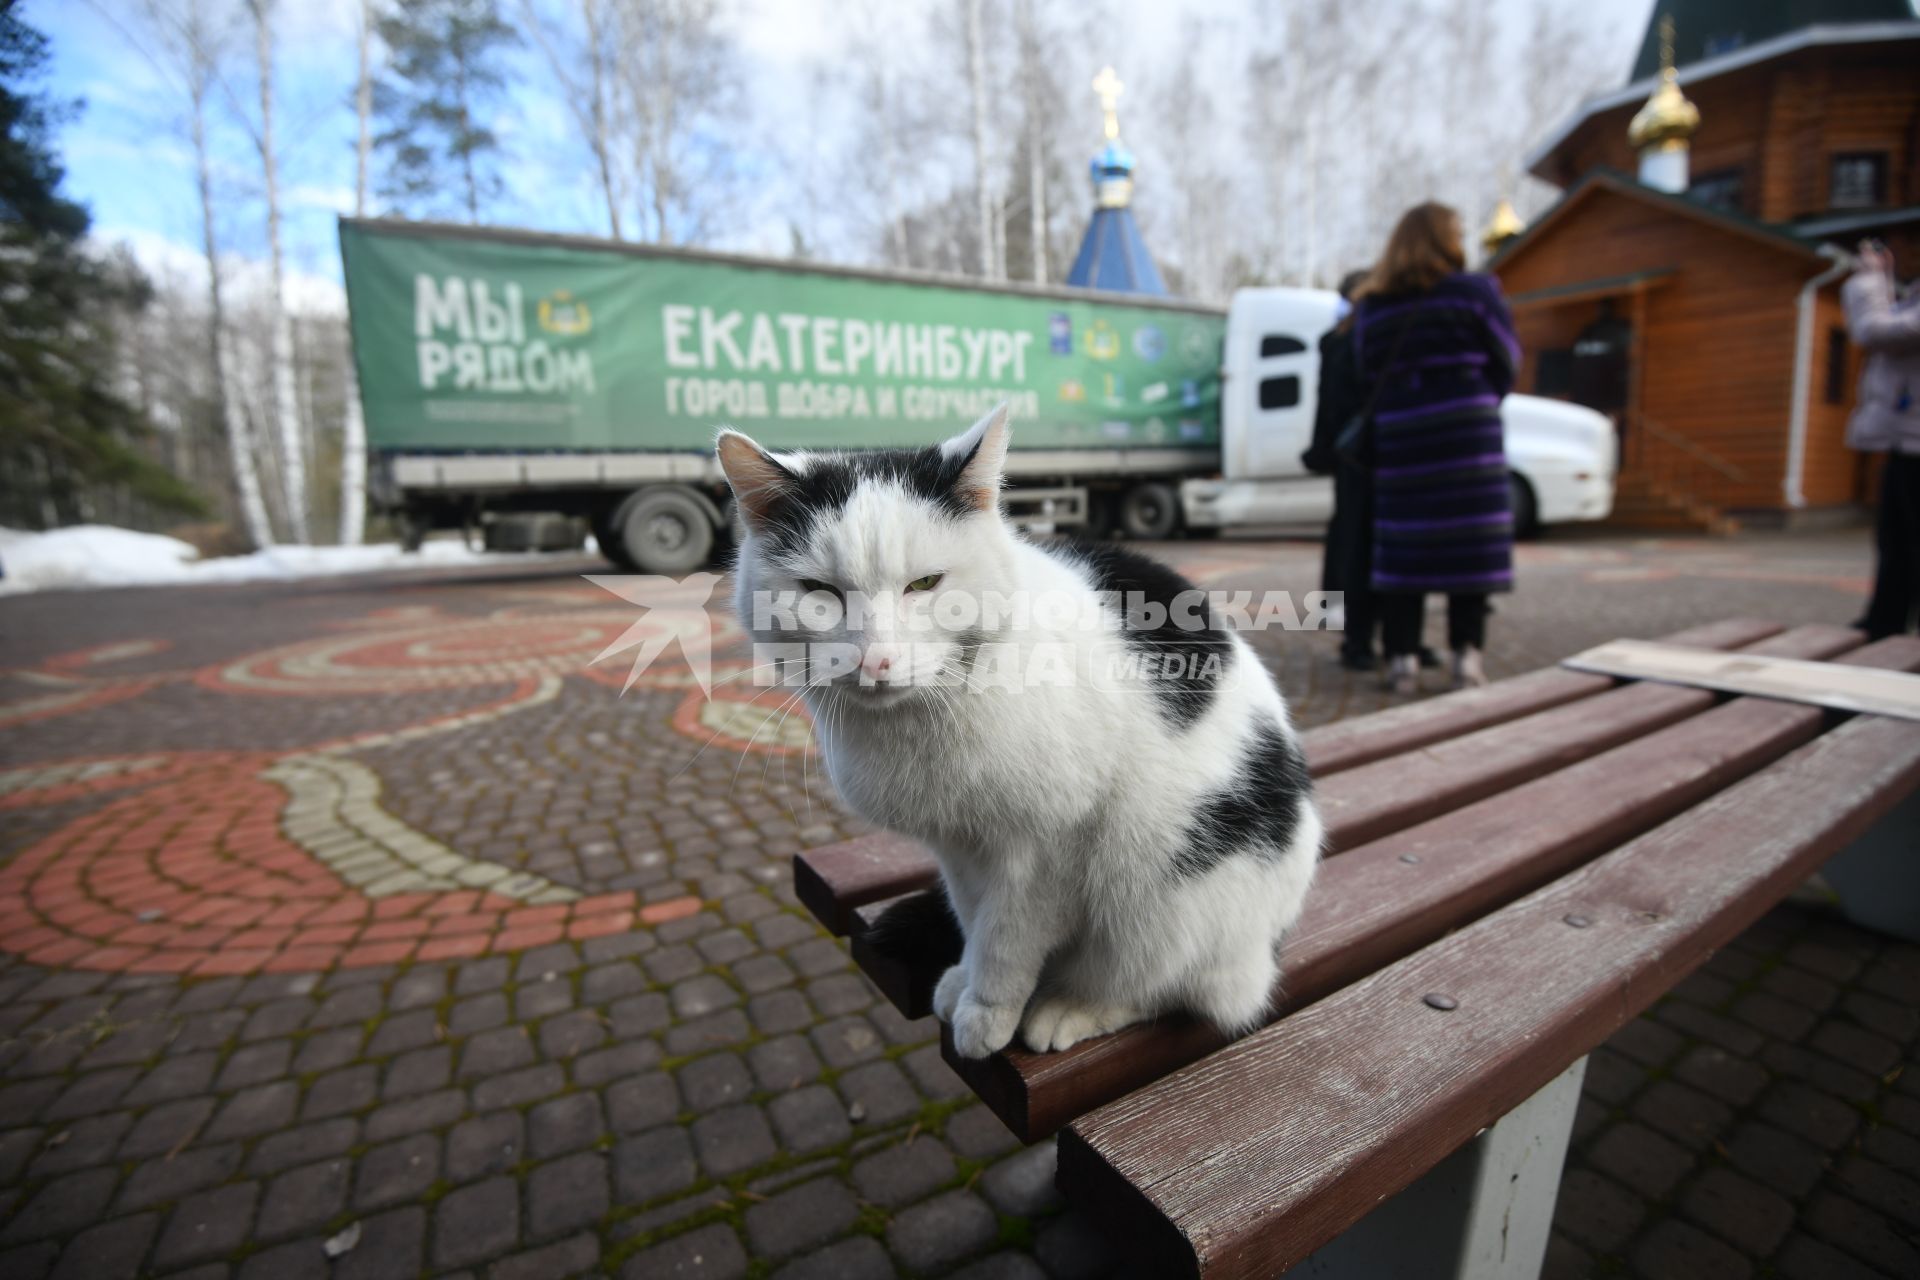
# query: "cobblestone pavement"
[[361, 928]]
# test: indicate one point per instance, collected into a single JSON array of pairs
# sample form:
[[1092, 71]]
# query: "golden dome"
[[1503, 226], [1668, 119]]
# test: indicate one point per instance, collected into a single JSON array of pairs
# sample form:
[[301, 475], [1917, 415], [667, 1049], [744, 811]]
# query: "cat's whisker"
[[716, 734]]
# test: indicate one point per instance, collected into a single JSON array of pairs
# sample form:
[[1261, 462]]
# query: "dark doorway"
[[1600, 369]]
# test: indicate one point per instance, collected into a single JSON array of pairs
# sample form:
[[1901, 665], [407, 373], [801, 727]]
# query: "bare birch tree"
[[680, 101], [185, 44], [977, 91], [353, 424], [1034, 103], [289, 430], [586, 63]]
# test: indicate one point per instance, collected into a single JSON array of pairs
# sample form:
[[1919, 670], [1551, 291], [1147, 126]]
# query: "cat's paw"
[[1058, 1023], [946, 996], [980, 1030]]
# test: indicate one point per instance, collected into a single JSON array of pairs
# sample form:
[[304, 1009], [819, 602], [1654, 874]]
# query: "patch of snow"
[[96, 555]]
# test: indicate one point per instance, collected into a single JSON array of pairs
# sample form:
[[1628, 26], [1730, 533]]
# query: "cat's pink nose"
[[876, 664]]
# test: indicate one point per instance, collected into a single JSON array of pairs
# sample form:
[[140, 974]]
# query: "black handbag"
[[1354, 445]]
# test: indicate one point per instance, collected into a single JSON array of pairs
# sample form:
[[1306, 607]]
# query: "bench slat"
[[1348, 743], [1369, 801], [1369, 907], [1371, 1087], [834, 879], [1359, 804]]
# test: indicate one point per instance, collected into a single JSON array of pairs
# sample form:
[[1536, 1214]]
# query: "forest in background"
[[1277, 142]]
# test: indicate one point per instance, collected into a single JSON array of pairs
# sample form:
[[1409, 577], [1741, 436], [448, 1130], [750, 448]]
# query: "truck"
[[508, 377]]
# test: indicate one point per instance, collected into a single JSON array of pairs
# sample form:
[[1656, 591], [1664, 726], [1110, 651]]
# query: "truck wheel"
[[1526, 512], [412, 531], [1149, 511], [1099, 525], [607, 534], [664, 530]]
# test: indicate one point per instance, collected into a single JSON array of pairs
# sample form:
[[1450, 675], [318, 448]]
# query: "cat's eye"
[[811, 585], [927, 583]]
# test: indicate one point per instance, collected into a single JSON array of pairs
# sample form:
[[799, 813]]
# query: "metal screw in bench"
[[1441, 1002], [1578, 921]]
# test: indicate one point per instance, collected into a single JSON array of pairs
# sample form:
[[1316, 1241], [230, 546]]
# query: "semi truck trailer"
[[507, 374]]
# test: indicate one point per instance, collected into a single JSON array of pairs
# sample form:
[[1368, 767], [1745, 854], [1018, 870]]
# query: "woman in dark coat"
[[1439, 342], [1347, 561]]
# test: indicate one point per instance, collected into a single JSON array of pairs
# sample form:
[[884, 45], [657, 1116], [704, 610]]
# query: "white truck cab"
[[1561, 457]]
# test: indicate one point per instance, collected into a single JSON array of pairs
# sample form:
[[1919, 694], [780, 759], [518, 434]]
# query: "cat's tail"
[[920, 931]]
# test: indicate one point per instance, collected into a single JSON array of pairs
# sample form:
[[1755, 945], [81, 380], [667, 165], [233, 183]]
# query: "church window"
[[1720, 189], [1858, 180], [1836, 365]]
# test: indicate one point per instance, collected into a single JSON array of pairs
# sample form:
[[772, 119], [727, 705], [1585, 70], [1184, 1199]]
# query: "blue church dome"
[[1112, 254]]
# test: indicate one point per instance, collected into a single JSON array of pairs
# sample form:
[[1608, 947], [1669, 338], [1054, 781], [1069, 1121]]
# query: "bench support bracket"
[[1483, 1213], [1877, 877]]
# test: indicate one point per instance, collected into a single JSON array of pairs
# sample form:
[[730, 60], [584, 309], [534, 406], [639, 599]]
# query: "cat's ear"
[[984, 448], [757, 478]]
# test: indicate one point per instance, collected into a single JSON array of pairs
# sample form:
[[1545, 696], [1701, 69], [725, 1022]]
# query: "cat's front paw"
[[946, 996], [1058, 1023], [980, 1030]]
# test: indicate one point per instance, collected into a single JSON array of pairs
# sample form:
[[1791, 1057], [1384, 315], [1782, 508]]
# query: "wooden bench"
[[1514, 872]]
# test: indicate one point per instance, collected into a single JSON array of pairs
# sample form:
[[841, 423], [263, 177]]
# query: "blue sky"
[[128, 155], [129, 160]]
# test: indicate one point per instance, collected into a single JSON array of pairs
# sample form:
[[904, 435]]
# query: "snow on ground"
[[98, 555]]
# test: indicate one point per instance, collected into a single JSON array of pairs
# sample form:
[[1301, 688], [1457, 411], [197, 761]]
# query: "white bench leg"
[[1877, 877], [1483, 1213]]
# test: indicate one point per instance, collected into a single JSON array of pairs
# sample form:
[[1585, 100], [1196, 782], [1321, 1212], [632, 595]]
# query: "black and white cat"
[[1115, 846]]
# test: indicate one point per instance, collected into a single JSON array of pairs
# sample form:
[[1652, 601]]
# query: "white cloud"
[[246, 280]]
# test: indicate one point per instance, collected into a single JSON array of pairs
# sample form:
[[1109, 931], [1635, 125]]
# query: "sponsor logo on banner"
[[1101, 341], [562, 313], [1060, 333]]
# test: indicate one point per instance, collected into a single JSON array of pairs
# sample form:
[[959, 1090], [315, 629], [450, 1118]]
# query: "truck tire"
[[607, 534], [664, 530], [1526, 512], [1149, 511]]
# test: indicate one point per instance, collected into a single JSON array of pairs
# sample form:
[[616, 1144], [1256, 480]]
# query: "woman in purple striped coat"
[[1436, 345]]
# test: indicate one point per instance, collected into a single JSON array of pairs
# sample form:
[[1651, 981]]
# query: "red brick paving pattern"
[[723, 1086], [193, 872]]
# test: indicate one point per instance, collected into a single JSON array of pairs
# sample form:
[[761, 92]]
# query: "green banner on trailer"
[[470, 340]]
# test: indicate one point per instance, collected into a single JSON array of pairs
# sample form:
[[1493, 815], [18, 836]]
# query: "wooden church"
[[1687, 282]]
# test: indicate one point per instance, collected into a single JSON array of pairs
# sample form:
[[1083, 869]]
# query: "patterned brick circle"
[[229, 862]]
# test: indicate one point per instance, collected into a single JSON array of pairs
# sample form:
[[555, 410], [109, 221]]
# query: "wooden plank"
[[1371, 1087], [1369, 801], [833, 880], [1880, 693], [1371, 906], [1349, 743]]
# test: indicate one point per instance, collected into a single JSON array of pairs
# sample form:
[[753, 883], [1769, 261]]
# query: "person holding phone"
[[1886, 419]]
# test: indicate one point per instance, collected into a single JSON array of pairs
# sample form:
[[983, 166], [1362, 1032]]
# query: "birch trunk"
[[1036, 142], [363, 110], [286, 408], [246, 480], [977, 75], [353, 427], [601, 126]]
